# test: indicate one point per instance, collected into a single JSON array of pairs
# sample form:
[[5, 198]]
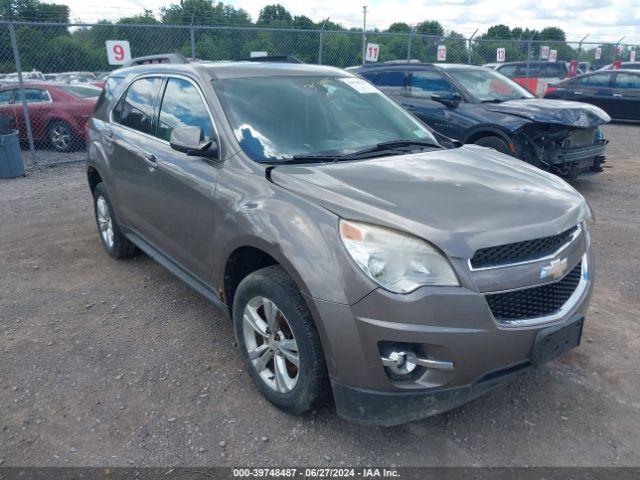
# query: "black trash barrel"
[[11, 165]]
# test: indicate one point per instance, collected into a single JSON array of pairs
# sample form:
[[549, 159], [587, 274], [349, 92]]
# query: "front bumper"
[[451, 324]]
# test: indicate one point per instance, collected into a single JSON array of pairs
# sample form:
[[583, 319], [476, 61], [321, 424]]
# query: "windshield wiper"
[[493, 100], [393, 147]]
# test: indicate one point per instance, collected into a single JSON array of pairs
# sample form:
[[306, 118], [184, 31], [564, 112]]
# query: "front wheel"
[[278, 341], [496, 143]]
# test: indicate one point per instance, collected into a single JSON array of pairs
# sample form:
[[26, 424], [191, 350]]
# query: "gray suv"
[[357, 257]]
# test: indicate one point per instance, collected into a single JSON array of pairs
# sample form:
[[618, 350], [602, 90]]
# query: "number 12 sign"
[[118, 52], [373, 49]]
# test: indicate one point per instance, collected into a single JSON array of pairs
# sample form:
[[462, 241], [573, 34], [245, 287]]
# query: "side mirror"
[[189, 140], [451, 100]]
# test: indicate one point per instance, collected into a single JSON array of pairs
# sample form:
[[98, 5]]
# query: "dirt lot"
[[119, 363]]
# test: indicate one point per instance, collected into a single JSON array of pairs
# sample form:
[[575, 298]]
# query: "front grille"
[[520, 251], [536, 301], [581, 137]]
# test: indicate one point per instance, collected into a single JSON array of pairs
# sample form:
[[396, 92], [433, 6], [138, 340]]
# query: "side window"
[[425, 84], [5, 97], [508, 70], [135, 109], [627, 80], [389, 79], [108, 91], [32, 95], [597, 80], [182, 106]]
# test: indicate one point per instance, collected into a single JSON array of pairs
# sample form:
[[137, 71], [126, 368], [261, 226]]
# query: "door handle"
[[150, 160], [617, 95], [579, 92], [411, 108]]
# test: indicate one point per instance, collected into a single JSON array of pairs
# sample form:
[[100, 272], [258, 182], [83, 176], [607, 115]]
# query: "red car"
[[58, 112]]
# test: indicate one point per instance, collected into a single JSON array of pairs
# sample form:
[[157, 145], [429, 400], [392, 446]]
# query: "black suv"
[[478, 105]]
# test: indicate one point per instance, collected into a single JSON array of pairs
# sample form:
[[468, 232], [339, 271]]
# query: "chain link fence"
[[51, 73]]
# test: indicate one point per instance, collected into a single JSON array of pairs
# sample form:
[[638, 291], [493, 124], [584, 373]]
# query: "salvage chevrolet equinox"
[[358, 258]]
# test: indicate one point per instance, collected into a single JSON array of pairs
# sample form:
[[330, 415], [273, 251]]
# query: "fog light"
[[400, 362]]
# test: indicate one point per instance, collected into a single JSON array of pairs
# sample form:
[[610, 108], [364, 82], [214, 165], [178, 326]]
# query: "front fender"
[[299, 234]]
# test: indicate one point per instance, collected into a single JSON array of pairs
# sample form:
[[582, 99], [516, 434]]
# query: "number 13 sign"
[[118, 52]]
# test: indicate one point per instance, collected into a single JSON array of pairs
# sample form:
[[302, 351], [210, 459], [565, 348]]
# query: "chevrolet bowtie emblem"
[[555, 269]]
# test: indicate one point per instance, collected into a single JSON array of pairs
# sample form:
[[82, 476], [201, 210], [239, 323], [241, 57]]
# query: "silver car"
[[356, 256]]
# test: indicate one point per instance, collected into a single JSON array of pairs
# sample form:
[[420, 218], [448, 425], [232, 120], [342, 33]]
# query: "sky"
[[603, 20]]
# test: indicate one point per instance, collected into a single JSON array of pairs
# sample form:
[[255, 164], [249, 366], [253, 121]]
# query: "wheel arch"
[[247, 258]]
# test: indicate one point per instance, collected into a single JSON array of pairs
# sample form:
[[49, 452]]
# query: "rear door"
[[133, 165], [595, 89], [625, 97]]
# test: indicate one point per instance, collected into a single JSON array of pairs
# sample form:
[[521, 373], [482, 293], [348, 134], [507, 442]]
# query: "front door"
[[182, 213], [449, 121]]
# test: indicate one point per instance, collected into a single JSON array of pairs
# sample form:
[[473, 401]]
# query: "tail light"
[[549, 90]]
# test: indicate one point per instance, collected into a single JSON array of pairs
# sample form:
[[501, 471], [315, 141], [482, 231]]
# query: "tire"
[[115, 243], [496, 143], [293, 321], [61, 136]]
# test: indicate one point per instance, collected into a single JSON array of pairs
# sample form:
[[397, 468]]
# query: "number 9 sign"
[[118, 52]]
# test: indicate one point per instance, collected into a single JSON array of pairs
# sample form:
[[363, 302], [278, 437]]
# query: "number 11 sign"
[[373, 49], [118, 52]]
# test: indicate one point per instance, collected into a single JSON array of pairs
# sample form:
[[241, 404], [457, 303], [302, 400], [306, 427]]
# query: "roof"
[[242, 69], [412, 64]]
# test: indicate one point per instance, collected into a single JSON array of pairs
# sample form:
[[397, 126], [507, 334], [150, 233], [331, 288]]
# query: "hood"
[[559, 112], [460, 199]]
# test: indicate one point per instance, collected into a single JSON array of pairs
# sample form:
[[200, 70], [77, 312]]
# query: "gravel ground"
[[119, 363]]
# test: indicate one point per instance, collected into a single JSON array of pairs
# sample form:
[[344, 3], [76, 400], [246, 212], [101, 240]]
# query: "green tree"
[[430, 27], [274, 16]]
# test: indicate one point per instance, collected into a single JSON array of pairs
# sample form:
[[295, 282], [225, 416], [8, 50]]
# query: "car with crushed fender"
[[357, 258], [476, 105]]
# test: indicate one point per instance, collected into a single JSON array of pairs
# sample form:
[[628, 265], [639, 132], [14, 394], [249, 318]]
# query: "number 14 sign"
[[118, 52]]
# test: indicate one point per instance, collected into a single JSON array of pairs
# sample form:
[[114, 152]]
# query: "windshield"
[[488, 85], [292, 116], [82, 92]]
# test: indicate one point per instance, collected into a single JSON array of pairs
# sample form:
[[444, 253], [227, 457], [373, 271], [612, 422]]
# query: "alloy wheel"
[[270, 344], [60, 137], [105, 224]]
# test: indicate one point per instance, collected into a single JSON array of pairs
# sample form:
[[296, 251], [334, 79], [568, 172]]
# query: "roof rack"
[[164, 58], [274, 59]]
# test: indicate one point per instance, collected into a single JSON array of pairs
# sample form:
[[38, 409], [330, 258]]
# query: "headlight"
[[397, 261]]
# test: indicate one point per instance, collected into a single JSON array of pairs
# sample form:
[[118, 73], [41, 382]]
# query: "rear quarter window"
[[108, 92]]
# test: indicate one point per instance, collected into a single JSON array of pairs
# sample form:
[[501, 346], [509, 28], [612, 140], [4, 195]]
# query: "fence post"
[[25, 108], [321, 41], [192, 31], [528, 56], [469, 47], [409, 41]]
